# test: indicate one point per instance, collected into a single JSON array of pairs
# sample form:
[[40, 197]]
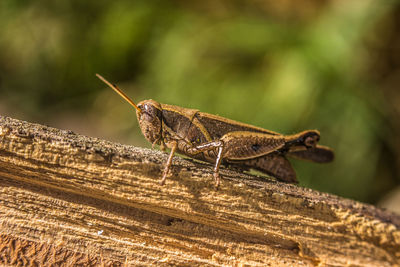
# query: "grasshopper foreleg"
[[169, 162]]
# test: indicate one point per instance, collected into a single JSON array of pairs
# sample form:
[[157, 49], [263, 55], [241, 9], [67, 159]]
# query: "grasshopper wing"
[[274, 164], [319, 154], [278, 166]]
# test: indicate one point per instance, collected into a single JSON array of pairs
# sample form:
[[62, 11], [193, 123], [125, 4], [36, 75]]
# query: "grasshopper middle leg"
[[193, 150], [219, 145]]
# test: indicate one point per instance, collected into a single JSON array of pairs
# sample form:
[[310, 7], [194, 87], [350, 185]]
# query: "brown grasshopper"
[[216, 139]]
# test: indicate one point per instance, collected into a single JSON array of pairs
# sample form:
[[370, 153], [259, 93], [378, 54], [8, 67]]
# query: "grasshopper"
[[215, 139]]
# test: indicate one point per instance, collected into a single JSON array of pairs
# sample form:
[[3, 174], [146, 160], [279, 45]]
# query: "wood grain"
[[67, 199]]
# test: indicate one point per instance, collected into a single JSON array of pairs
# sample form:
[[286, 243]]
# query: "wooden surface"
[[66, 199]]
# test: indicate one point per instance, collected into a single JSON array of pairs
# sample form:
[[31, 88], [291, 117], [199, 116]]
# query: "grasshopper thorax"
[[150, 120]]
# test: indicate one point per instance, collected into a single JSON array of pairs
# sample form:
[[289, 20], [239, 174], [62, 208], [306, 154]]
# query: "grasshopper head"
[[150, 120], [148, 112]]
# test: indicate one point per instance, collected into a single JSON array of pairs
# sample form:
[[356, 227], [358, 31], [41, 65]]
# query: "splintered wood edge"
[[268, 221]]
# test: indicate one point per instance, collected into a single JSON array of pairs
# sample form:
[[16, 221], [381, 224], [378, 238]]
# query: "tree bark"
[[67, 199]]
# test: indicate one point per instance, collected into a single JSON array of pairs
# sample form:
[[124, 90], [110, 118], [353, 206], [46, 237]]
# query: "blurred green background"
[[283, 65]]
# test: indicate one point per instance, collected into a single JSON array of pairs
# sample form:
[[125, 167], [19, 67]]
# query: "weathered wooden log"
[[67, 199]]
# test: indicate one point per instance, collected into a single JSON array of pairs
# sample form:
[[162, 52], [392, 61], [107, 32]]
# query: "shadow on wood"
[[68, 199]]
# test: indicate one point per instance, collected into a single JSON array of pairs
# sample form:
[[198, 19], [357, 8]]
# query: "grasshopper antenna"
[[119, 91]]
